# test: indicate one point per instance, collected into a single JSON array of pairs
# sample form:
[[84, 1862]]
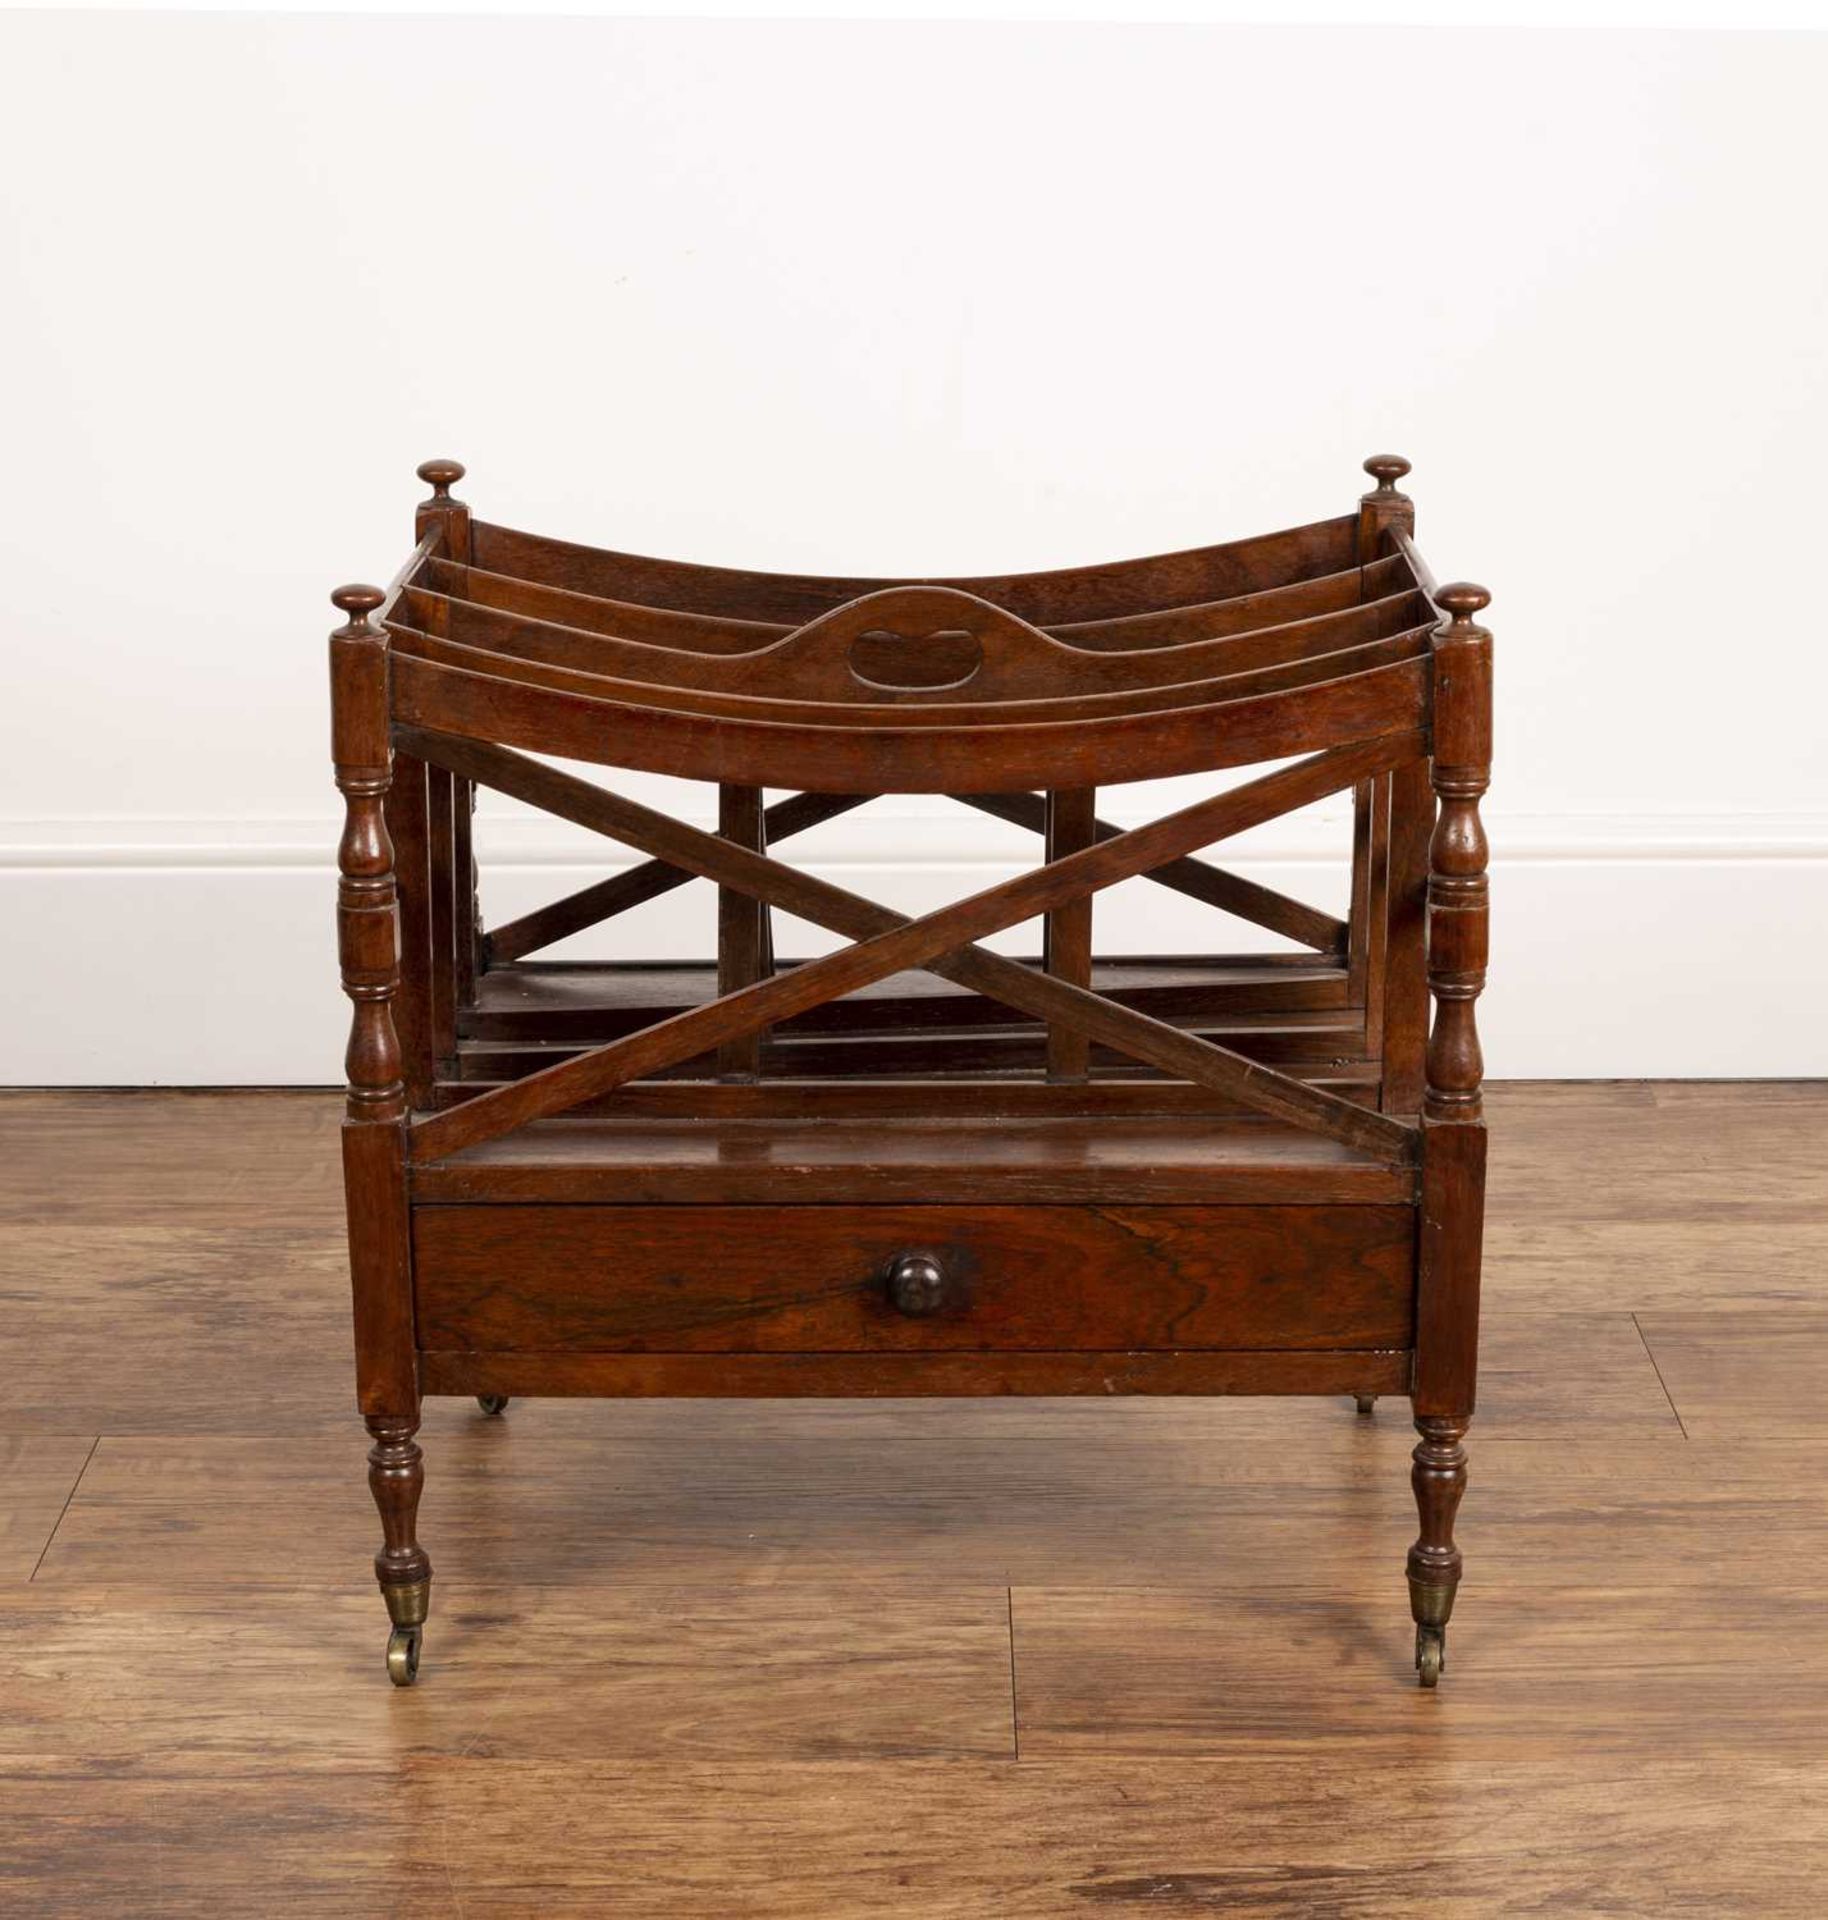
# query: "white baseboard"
[[202, 952]]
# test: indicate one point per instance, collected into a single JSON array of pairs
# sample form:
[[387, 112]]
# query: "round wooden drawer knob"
[[917, 1284]]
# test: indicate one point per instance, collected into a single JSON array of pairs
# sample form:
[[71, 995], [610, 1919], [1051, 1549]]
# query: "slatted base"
[[1291, 1011]]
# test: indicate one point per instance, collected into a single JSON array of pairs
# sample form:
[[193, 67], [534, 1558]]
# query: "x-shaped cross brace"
[[887, 942]]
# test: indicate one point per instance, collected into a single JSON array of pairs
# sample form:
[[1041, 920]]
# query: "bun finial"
[[1386, 469], [1462, 599], [358, 602], [441, 476]]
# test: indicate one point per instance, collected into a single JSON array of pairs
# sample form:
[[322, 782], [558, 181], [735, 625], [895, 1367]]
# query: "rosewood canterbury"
[[914, 1165]]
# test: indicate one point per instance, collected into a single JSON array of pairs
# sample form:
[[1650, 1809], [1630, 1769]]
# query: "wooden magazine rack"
[[914, 1165]]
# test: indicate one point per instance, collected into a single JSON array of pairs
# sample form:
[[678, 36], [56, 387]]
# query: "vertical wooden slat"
[[1067, 937], [441, 919], [1358, 914], [1405, 937], [742, 931], [463, 893], [412, 1007], [1377, 917], [765, 911]]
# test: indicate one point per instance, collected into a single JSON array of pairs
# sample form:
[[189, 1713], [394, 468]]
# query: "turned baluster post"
[[1458, 888], [1453, 1130], [367, 940], [374, 1127], [396, 1478], [1458, 909], [1438, 1476]]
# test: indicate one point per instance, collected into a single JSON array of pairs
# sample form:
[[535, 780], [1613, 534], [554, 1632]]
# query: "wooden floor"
[[946, 1658]]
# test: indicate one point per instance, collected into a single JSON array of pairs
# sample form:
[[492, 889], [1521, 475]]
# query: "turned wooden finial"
[[358, 602], [1462, 599], [441, 476], [1383, 511], [448, 518]]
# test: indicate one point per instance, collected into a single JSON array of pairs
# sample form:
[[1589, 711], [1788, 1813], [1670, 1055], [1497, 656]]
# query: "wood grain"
[[1700, 1177], [38, 1474], [1195, 1494], [149, 1327], [1114, 1161], [951, 1839], [1210, 1659], [1592, 1664], [1108, 591], [529, 710], [784, 1671], [1637, 1153], [811, 1279], [210, 1159], [1759, 1374]]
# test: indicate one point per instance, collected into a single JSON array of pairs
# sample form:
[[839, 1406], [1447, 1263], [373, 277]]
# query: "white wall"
[[907, 298]]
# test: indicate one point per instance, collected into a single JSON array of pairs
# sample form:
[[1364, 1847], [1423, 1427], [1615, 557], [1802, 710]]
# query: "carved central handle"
[[915, 662], [917, 1284]]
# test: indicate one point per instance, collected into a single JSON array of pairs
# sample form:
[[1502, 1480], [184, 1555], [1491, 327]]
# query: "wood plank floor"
[[1028, 1658]]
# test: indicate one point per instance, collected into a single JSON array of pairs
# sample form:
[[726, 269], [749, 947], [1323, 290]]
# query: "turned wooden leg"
[[1367, 1402], [396, 1476], [1439, 1479]]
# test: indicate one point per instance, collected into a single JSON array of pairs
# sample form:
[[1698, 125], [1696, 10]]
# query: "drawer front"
[[640, 1279]]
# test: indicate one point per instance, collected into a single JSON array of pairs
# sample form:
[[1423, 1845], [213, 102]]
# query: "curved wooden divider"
[[712, 633], [1112, 589], [815, 662], [899, 758], [985, 714]]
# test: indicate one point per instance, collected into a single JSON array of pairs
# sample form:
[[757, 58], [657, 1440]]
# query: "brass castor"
[[1367, 1402], [403, 1655], [1430, 1655], [492, 1403]]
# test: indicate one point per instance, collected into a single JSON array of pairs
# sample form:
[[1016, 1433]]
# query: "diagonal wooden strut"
[[1213, 886], [603, 899], [888, 943]]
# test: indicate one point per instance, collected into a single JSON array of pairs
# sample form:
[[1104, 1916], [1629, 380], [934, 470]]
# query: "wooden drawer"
[[764, 1279]]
